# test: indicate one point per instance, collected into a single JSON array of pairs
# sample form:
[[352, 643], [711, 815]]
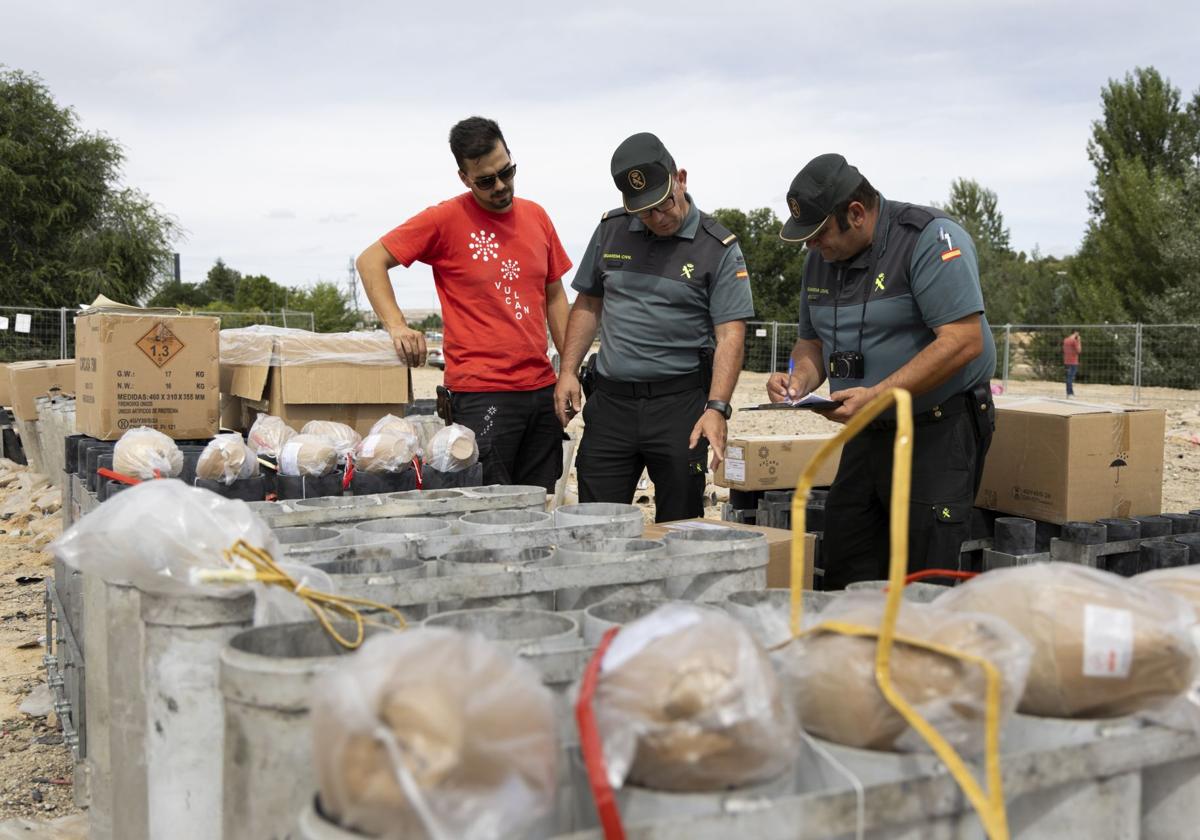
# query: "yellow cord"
[[324, 605], [990, 804]]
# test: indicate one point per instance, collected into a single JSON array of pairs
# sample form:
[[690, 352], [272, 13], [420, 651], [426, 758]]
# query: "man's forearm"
[[940, 360], [582, 325], [727, 359], [373, 266], [557, 312]]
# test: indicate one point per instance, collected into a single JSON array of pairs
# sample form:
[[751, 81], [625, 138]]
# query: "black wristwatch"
[[721, 407]]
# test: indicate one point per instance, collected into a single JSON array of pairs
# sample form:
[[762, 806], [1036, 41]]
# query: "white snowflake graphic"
[[510, 269], [484, 244]]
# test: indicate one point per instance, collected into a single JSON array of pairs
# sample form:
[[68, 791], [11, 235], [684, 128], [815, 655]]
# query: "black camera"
[[847, 364]]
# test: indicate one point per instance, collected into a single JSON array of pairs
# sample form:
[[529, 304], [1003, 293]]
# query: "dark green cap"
[[824, 183], [643, 171]]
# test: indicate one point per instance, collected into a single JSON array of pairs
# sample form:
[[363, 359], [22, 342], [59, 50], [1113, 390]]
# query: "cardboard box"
[[1060, 461], [29, 380], [140, 369], [5, 391], [351, 378], [779, 547], [773, 462]]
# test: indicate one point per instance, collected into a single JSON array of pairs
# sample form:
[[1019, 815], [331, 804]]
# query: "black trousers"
[[519, 436], [947, 465], [624, 435]]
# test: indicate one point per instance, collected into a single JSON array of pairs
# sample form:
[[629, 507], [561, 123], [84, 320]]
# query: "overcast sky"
[[285, 137]]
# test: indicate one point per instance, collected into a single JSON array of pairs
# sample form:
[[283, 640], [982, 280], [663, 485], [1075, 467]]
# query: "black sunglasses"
[[488, 181]]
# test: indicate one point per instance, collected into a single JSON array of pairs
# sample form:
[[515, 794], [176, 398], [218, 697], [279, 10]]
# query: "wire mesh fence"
[[29, 333], [1138, 363]]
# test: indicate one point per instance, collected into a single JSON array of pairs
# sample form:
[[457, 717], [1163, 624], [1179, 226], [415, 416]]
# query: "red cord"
[[416, 462], [593, 749], [348, 475], [940, 573], [105, 472]]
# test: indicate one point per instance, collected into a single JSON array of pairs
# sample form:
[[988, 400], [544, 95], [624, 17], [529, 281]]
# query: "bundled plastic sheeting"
[[343, 438], [688, 701], [434, 733], [831, 676], [263, 345], [385, 452], [452, 449], [310, 455], [155, 533], [268, 434], [1104, 646], [226, 459], [159, 534], [147, 453], [1183, 581]]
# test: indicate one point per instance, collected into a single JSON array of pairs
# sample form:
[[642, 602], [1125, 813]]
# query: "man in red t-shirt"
[[1071, 346], [498, 265]]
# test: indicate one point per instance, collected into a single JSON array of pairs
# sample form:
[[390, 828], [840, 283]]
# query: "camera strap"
[[862, 321]]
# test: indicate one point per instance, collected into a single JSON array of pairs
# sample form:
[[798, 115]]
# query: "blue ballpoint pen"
[[791, 373]]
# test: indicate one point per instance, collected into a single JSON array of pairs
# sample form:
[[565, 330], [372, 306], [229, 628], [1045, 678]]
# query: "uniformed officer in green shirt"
[[891, 299], [668, 290]]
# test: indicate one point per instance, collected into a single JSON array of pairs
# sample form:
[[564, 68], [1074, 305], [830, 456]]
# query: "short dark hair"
[[473, 138], [864, 194]]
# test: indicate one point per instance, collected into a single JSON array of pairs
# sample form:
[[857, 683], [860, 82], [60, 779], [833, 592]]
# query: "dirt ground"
[[35, 766]]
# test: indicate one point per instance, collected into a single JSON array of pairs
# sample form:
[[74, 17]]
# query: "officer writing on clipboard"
[[891, 299]]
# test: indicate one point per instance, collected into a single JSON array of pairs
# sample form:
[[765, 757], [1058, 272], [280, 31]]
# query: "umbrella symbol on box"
[[1119, 462]]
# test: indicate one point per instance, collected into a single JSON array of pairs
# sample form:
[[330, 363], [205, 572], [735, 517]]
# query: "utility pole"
[[352, 290]]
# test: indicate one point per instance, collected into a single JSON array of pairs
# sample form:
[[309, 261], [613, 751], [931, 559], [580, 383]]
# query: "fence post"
[[62, 332], [774, 346], [1007, 345], [312, 322], [1137, 363]]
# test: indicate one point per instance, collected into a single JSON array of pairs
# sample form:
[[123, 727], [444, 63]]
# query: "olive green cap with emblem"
[[643, 171], [825, 182]]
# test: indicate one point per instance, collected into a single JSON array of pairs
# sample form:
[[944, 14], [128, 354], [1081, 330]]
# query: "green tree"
[[68, 229], [329, 305], [259, 292], [222, 282], [179, 294], [775, 266], [1145, 149]]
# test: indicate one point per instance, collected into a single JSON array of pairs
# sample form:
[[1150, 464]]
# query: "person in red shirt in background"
[[497, 265], [1072, 346]]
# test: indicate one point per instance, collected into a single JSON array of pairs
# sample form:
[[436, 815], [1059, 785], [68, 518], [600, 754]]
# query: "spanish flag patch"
[[949, 255], [742, 275]]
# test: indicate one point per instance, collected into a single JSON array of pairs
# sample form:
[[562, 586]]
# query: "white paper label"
[[735, 468], [735, 452], [24, 323], [289, 459], [662, 622], [1107, 642], [760, 333], [3, 323]]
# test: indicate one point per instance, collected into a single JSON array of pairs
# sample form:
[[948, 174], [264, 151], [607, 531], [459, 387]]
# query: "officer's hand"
[[409, 344], [568, 397], [711, 426], [850, 402], [781, 387]]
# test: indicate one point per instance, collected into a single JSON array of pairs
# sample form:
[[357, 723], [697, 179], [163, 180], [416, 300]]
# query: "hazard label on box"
[[160, 345]]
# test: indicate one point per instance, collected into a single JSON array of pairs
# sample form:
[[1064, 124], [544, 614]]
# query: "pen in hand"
[[791, 373]]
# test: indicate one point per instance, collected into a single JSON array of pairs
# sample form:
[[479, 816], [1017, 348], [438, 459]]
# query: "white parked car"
[[434, 358]]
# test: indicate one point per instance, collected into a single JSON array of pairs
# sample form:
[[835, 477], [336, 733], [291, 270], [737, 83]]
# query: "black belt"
[[657, 388], [957, 404]]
